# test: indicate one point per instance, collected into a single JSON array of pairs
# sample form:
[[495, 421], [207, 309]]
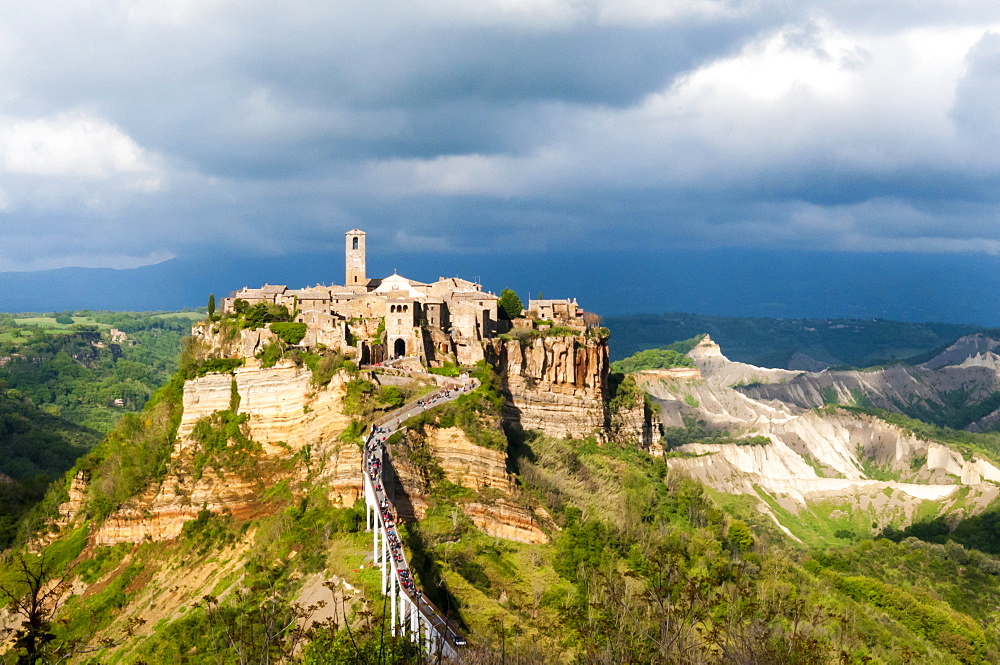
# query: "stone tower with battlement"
[[355, 259]]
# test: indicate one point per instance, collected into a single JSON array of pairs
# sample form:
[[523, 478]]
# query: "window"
[[355, 243]]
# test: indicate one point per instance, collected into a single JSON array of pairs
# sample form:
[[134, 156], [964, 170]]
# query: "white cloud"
[[72, 145], [644, 12]]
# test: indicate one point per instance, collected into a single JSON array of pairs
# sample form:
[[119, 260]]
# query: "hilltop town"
[[396, 317]]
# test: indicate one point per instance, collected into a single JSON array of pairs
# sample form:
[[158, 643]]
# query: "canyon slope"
[[813, 463]]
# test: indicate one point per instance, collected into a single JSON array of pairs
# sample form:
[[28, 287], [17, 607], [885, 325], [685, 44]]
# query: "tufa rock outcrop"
[[460, 461], [296, 426], [295, 430], [557, 385]]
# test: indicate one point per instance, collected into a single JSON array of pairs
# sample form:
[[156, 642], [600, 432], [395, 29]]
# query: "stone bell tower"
[[355, 259]]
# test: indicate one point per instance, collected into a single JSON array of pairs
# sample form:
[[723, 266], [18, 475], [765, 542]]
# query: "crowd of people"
[[374, 450]]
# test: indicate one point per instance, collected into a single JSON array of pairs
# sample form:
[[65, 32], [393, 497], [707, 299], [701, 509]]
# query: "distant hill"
[[790, 343], [78, 371], [611, 282], [35, 448]]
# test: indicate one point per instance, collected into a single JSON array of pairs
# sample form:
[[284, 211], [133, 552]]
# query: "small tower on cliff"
[[355, 259]]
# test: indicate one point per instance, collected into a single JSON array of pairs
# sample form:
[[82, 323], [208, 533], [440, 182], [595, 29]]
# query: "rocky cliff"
[[495, 508], [557, 385], [294, 432], [296, 427], [223, 340]]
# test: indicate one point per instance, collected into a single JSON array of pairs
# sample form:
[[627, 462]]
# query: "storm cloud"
[[132, 131]]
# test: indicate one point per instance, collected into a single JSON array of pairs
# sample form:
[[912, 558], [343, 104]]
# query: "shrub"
[[291, 333], [652, 359], [220, 365], [324, 366], [271, 354], [359, 392], [448, 369], [390, 397], [224, 442]]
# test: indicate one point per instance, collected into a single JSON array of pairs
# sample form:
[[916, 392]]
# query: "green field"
[[49, 324]]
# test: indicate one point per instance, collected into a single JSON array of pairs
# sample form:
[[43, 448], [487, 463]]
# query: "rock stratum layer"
[[557, 385], [814, 455], [495, 510], [287, 416], [296, 430]]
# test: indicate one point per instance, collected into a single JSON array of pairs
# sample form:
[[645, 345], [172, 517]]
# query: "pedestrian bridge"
[[412, 614]]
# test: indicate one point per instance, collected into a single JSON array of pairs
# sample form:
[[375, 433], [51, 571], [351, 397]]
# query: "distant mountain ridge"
[[875, 469], [798, 344], [776, 284], [959, 388]]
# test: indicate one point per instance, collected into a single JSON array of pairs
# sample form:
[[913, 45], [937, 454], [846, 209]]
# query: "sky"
[[134, 131]]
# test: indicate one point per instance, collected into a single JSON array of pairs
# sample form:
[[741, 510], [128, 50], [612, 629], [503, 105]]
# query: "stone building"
[[565, 312], [435, 322]]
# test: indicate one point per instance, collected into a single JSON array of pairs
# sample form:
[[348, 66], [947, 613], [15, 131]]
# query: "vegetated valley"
[[715, 511], [65, 380]]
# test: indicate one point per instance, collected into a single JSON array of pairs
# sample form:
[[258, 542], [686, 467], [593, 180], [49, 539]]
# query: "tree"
[[34, 588], [510, 306], [34, 595], [211, 307]]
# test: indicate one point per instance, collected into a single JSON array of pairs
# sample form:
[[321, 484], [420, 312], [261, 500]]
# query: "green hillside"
[[35, 448], [75, 370], [643, 565]]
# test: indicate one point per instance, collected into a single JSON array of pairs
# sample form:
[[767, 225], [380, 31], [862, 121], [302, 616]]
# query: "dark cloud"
[[139, 129], [977, 96]]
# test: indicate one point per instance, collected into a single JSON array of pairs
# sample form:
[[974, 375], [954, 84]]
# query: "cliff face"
[[558, 385], [296, 427], [225, 342], [495, 510]]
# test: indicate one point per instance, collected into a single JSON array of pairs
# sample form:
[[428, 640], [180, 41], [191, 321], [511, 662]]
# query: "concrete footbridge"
[[412, 613]]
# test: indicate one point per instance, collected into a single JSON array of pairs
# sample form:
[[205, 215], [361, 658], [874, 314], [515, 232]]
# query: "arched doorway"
[[399, 347]]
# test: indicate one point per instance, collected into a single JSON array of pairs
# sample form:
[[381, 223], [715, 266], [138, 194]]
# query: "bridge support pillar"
[[393, 599], [375, 544], [414, 624], [386, 567]]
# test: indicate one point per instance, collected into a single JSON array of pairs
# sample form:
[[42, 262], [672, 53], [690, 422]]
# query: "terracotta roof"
[[311, 294], [274, 288]]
